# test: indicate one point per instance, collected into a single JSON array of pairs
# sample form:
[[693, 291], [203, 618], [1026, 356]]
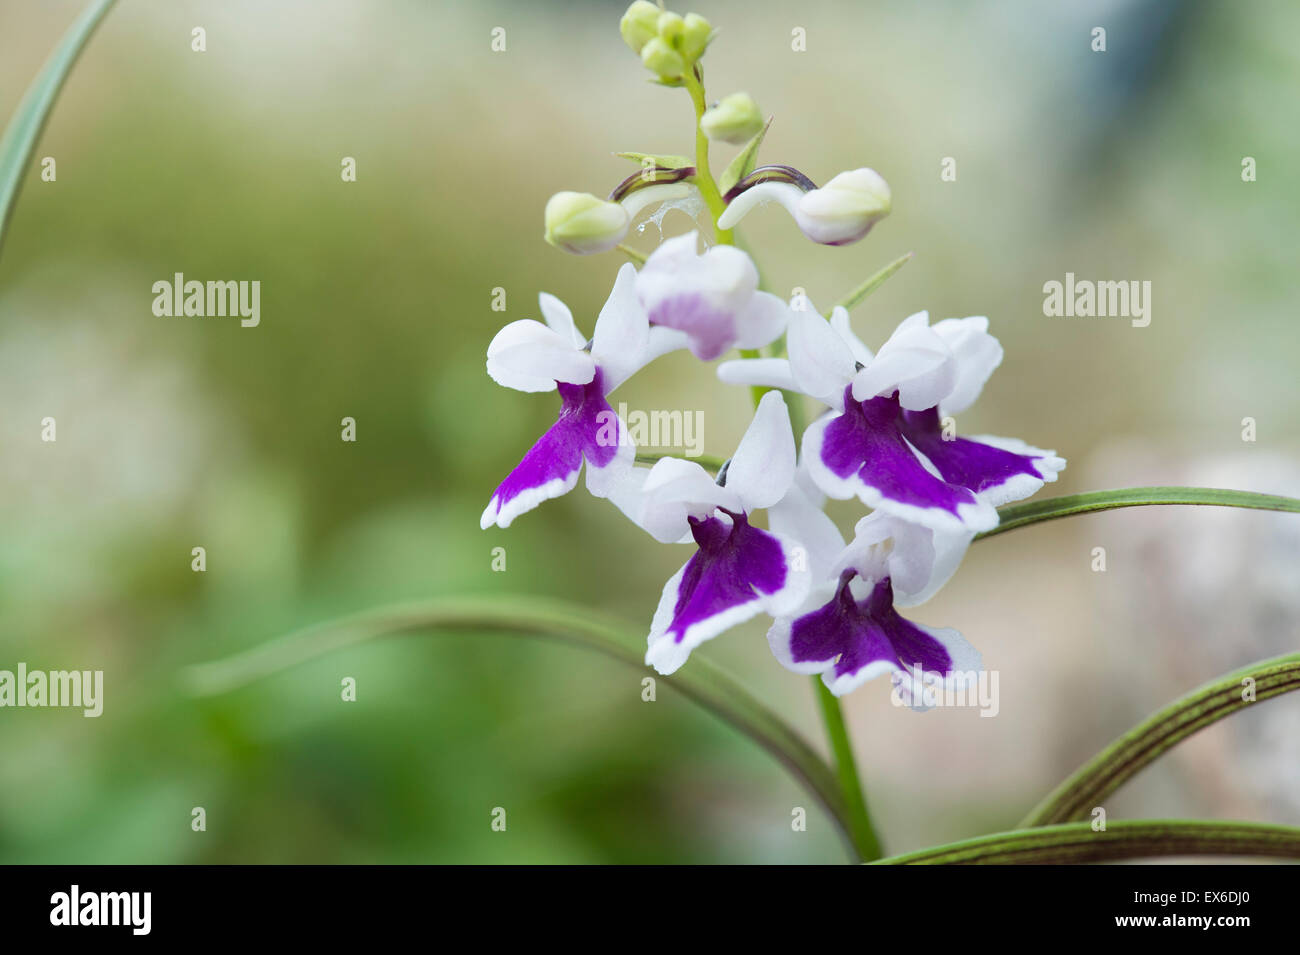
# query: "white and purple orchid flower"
[[848, 629], [529, 356], [713, 298], [884, 439], [708, 303], [738, 570]]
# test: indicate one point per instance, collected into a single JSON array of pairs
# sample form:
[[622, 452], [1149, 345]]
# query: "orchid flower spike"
[[839, 213], [713, 299], [848, 629], [529, 356], [738, 570], [884, 439]]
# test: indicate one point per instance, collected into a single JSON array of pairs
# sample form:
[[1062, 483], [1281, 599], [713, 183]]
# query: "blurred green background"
[[175, 433]]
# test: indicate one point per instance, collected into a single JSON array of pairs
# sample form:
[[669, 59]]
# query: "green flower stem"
[[631, 253], [703, 173], [1075, 798], [855, 801], [1076, 843]]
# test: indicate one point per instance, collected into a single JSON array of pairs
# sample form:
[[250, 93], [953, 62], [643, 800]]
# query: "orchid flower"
[[738, 570], [848, 629], [883, 439], [529, 356], [712, 298]]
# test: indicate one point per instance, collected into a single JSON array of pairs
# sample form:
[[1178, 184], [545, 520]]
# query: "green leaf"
[[743, 163], [702, 682], [874, 282], [662, 161], [1048, 509], [1121, 760], [24, 129], [1076, 843]]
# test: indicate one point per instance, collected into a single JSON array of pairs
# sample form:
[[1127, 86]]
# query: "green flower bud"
[[671, 26], [639, 24], [695, 36], [581, 223], [735, 119], [661, 59]]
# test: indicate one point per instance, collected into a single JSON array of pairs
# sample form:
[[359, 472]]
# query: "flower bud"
[[696, 34], [671, 26], [735, 119], [661, 59], [581, 223], [845, 209], [639, 24], [840, 212]]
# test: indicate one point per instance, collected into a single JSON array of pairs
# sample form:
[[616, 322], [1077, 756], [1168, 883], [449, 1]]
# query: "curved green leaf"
[[1121, 760], [743, 163], [1076, 842], [701, 682], [657, 160], [24, 129], [1049, 509], [874, 282]]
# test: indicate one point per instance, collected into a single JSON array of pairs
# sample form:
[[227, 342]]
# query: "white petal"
[[799, 517], [762, 468], [948, 549], [560, 319], [622, 332], [785, 193], [840, 322], [977, 354], [820, 359], [917, 559], [675, 490], [762, 321], [604, 481], [528, 356], [915, 361], [769, 372]]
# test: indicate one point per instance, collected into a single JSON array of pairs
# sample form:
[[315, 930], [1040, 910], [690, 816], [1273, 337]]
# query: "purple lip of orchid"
[[551, 466], [873, 441], [857, 633], [771, 173], [867, 441], [713, 328], [961, 461], [733, 565]]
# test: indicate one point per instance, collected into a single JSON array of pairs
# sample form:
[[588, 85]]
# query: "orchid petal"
[[528, 356], [762, 468]]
